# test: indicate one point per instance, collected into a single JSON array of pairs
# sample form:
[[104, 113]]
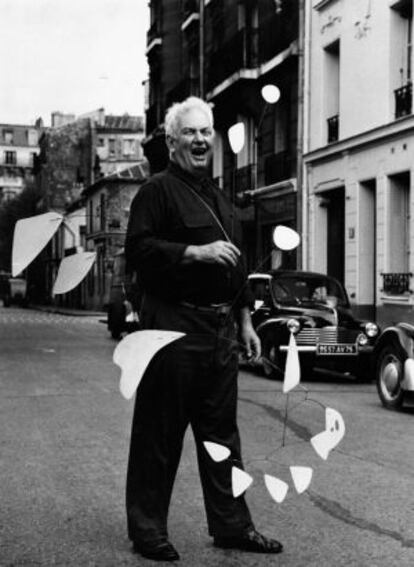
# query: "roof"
[[137, 173], [124, 122]]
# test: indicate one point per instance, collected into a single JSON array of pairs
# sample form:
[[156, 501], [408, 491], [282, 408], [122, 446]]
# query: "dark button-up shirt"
[[166, 216]]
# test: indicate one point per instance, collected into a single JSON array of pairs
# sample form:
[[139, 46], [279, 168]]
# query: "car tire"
[[271, 359], [389, 375], [116, 320]]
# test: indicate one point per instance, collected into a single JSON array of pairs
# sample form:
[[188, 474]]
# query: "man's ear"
[[170, 143]]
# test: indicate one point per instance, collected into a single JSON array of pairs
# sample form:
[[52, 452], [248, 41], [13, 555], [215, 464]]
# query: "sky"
[[72, 56]]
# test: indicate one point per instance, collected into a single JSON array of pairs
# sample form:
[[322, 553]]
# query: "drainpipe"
[[300, 205], [201, 48], [307, 14]]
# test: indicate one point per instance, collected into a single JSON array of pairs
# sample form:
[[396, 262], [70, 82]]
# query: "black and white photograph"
[[206, 283]]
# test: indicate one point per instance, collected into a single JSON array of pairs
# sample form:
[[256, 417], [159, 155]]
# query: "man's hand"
[[218, 252], [250, 340]]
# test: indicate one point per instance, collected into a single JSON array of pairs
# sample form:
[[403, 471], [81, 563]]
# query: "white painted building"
[[359, 151], [19, 144]]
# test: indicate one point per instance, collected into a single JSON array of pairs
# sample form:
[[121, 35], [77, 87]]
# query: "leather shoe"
[[160, 550], [251, 540]]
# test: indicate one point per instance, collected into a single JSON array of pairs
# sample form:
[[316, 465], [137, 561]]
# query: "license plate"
[[324, 349]]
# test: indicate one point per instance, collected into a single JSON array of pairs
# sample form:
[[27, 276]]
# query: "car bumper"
[[368, 349]]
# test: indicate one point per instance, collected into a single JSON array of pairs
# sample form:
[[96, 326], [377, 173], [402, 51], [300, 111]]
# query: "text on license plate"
[[336, 349]]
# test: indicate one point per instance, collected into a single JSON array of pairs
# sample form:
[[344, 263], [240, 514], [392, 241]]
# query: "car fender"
[[274, 324], [403, 335]]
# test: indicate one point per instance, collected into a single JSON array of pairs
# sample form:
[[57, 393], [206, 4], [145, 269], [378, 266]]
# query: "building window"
[[8, 136], [101, 142], [10, 158], [401, 56], [102, 212], [129, 147], [111, 146], [332, 90], [399, 223]]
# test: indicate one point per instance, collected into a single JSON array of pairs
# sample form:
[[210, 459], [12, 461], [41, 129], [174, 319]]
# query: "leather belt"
[[218, 308]]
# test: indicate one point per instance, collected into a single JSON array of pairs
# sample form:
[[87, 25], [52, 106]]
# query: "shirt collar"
[[177, 170]]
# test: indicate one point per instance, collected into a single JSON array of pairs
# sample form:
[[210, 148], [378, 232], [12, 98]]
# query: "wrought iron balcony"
[[236, 54], [184, 88], [278, 32], [189, 7], [279, 166], [396, 283], [403, 100], [152, 117], [333, 128]]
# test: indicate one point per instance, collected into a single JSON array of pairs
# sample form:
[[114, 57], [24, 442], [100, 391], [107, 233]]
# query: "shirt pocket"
[[199, 228]]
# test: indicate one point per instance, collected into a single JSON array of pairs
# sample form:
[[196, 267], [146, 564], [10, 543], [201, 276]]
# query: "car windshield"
[[308, 289]]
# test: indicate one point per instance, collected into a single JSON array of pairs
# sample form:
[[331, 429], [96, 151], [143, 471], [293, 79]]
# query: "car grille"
[[327, 335]]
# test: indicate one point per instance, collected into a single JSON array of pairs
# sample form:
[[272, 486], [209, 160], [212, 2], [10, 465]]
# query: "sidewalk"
[[68, 311]]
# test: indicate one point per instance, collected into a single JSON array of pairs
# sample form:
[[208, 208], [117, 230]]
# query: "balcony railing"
[[189, 7], [237, 53], [403, 100], [278, 32], [396, 283], [333, 128], [183, 89], [152, 117], [279, 166], [153, 33]]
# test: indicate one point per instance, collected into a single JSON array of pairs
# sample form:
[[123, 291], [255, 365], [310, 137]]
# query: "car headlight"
[[371, 330], [362, 339], [293, 325]]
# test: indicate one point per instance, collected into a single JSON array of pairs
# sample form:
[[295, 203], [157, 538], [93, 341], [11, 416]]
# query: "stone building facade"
[[358, 195], [19, 147]]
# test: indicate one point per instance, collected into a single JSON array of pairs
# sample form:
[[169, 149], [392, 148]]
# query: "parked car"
[[394, 369], [316, 309], [13, 290], [124, 299]]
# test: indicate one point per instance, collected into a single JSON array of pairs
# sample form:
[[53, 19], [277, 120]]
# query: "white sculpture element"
[[240, 481], [292, 368], [30, 237], [134, 353], [72, 270], [285, 238], [217, 452], [236, 137], [302, 477], [324, 442], [277, 488]]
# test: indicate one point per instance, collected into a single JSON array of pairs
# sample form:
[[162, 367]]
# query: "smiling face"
[[191, 146]]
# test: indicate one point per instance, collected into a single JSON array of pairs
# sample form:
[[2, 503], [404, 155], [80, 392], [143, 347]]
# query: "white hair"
[[178, 109]]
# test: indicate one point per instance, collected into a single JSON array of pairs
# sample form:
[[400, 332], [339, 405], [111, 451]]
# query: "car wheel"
[[389, 375], [271, 363], [116, 320]]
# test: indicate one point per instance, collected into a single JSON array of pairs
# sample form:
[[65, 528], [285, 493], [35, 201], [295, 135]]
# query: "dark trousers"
[[191, 381]]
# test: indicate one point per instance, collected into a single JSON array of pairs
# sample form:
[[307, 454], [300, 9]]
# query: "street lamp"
[[270, 94]]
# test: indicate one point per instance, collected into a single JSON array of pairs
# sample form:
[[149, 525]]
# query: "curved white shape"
[[134, 353], [30, 237], [408, 381], [324, 442], [240, 481], [271, 93], [236, 136], [292, 368], [72, 270], [301, 477], [285, 238], [277, 488], [216, 451]]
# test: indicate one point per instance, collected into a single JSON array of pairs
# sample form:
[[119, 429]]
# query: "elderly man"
[[184, 242]]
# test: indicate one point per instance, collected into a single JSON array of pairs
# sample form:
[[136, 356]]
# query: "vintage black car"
[[316, 309], [394, 368]]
